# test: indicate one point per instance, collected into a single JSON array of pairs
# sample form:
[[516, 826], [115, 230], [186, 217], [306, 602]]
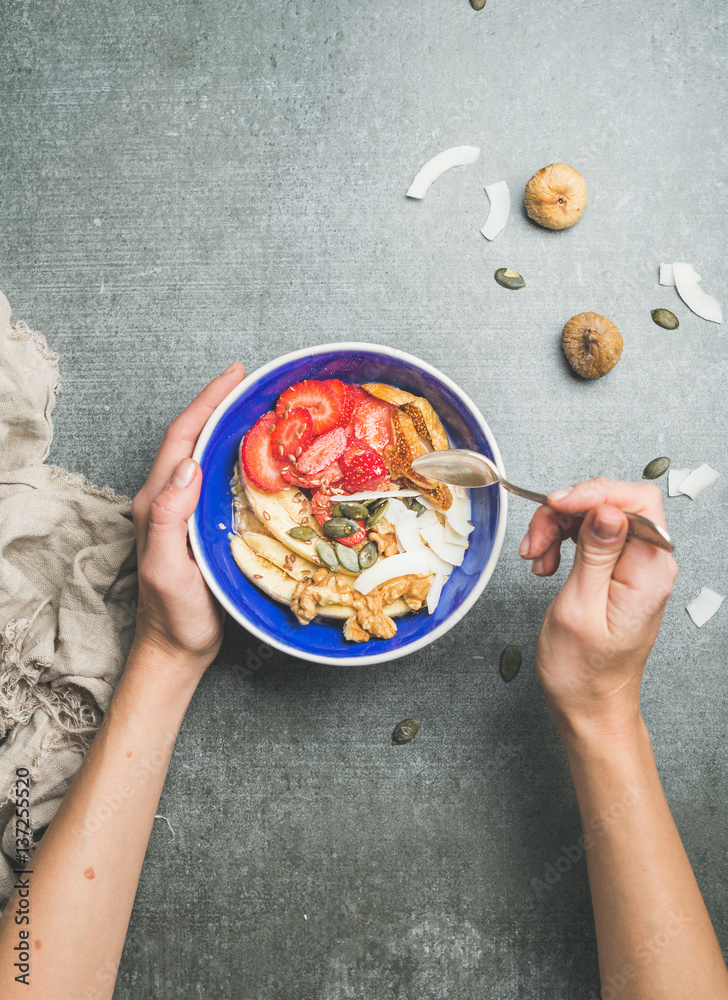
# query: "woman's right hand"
[[598, 631]]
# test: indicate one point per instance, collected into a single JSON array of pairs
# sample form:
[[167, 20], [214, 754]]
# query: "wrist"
[[590, 734], [157, 658]]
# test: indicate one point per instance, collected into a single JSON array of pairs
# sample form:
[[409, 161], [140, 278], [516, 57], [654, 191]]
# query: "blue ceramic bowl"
[[217, 453]]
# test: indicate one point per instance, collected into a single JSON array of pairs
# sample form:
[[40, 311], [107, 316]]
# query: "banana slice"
[[280, 512], [395, 610], [280, 555], [271, 580]]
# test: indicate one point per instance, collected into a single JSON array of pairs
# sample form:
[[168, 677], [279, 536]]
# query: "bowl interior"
[[323, 641]]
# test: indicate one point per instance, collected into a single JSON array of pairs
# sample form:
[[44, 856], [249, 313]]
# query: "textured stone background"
[[186, 183]]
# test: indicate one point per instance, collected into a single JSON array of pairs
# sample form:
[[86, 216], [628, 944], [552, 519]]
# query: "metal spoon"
[[468, 468]]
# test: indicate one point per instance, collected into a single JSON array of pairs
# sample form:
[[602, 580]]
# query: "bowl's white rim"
[[486, 573]]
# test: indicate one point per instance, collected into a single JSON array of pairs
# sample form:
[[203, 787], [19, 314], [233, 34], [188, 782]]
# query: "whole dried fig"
[[556, 196], [592, 344]]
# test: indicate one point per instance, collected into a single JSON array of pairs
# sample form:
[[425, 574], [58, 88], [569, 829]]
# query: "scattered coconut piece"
[[456, 156], [674, 478], [698, 480], [433, 594], [404, 564], [435, 538], [453, 515], [668, 278], [500, 205], [704, 606], [702, 304], [453, 537]]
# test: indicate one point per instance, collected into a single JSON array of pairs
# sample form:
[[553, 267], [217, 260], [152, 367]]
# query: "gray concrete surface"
[[187, 183]]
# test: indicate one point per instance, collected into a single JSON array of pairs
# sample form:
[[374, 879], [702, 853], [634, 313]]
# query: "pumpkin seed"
[[477, 4], [350, 508], [368, 555], [666, 319], [336, 510], [656, 468], [347, 557], [302, 532], [405, 731], [418, 508], [509, 279], [510, 662], [340, 527], [377, 514], [327, 554]]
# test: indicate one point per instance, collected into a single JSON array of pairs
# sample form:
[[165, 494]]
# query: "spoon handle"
[[639, 526]]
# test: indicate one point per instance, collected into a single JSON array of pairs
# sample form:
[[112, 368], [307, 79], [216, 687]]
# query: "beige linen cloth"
[[67, 593]]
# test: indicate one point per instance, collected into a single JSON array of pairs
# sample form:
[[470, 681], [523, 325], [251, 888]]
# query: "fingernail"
[[525, 544], [607, 524], [231, 367], [537, 566], [560, 494], [184, 473]]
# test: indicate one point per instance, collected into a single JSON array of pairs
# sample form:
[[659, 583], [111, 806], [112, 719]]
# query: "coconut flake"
[[433, 594], [704, 606], [463, 498], [675, 478], [435, 538], [500, 205], [454, 516], [668, 278], [457, 156], [698, 480], [702, 304], [404, 564], [453, 537]]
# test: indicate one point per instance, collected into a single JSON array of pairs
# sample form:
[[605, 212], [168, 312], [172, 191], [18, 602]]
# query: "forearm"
[[86, 869], [654, 935]]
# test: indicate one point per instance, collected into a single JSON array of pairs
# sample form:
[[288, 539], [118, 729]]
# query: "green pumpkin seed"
[[301, 532], [510, 662], [327, 554], [377, 514], [350, 508], [666, 319], [347, 557], [340, 527], [656, 468], [368, 555], [405, 731], [336, 510], [418, 508], [509, 279], [477, 4]]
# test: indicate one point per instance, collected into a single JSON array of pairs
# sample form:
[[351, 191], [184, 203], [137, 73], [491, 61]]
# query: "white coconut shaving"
[[500, 206], [435, 538], [698, 480], [704, 606], [433, 594], [457, 156], [702, 304], [674, 479], [668, 278], [404, 564]]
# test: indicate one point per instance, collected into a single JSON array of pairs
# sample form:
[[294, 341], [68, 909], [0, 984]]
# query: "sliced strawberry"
[[322, 451], [346, 399], [330, 476], [363, 468], [292, 434], [318, 398], [322, 504], [258, 458], [357, 538], [327, 477], [373, 423]]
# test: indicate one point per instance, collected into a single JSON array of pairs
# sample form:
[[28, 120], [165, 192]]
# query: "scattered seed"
[[375, 502], [510, 662], [368, 555], [656, 468], [666, 319], [350, 508], [405, 731], [477, 4], [417, 507], [336, 510], [302, 532], [266, 515], [327, 554], [340, 527], [347, 557], [257, 576], [377, 514], [509, 279]]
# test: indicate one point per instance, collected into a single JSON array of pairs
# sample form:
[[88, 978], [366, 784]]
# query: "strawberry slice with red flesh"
[[258, 458], [292, 434], [322, 504], [327, 477], [373, 423], [323, 451], [363, 468], [346, 399], [318, 398]]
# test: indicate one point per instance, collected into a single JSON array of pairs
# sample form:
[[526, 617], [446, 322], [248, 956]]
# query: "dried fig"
[[592, 344], [556, 196]]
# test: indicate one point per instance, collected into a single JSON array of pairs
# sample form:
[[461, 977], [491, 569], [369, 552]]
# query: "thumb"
[[598, 547], [169, 513]]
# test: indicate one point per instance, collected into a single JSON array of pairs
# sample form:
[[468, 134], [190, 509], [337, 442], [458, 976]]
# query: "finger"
[[548, 563], [546, 528], [640, 498], [166, 549], [180, 438], [598, 548]]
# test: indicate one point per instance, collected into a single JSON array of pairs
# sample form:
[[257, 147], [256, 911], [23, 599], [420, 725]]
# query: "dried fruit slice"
[[363, 467], [258, 457], [389, 393], [405, 448], [373, 424], [427, 423], [323, 451], [318, 398], [292, 434]]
